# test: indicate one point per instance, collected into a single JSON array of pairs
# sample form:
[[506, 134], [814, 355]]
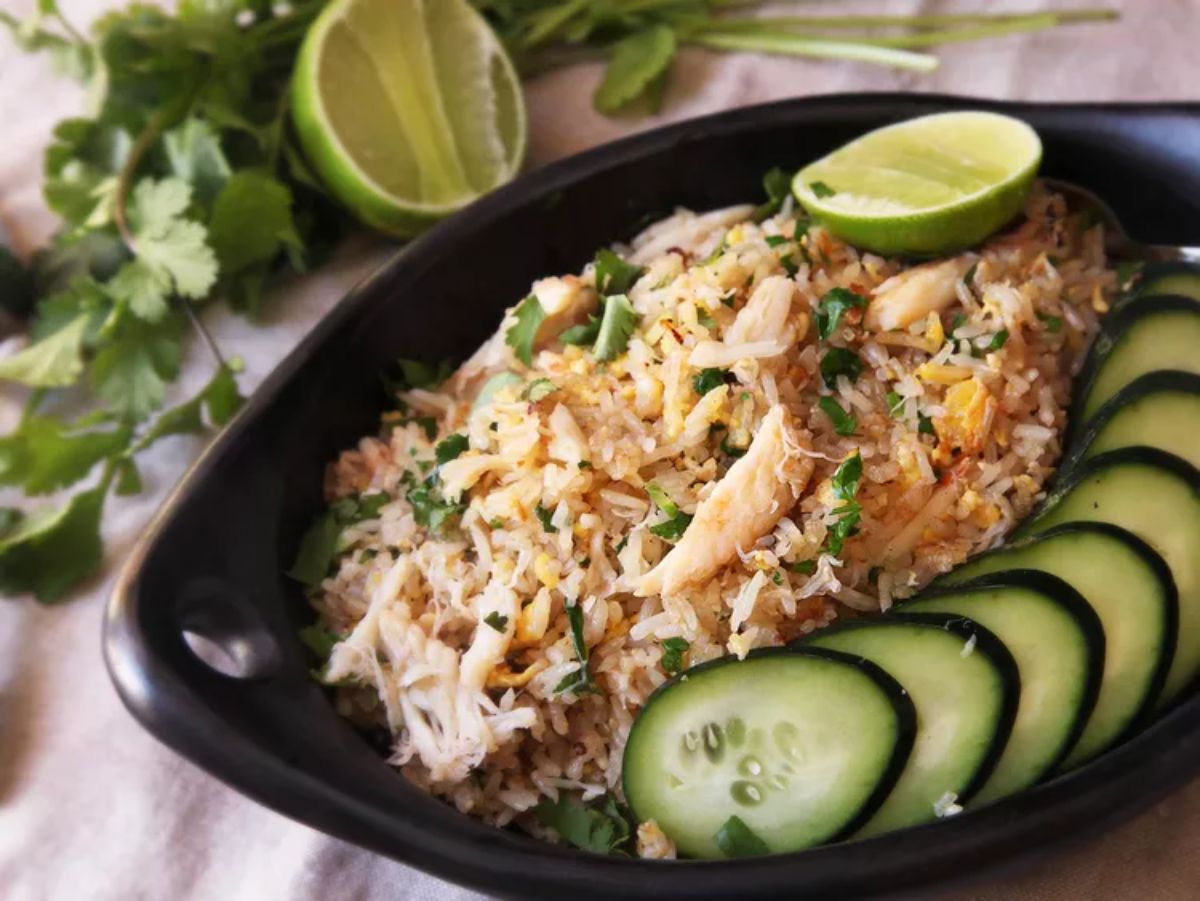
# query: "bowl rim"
[[1112, 788]]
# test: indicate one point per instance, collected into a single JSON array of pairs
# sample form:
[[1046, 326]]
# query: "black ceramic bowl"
[[213, 561]]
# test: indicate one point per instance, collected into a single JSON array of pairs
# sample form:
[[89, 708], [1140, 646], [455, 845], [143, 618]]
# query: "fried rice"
[[516, 594]]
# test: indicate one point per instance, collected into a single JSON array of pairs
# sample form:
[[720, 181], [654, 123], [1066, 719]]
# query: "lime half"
[[926, 186], [408, 109]]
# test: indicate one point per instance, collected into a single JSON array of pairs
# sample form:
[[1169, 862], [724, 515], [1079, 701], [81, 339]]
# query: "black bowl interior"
[[213, 563]]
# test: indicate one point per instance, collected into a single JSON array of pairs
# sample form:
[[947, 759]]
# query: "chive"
[[843, 423]]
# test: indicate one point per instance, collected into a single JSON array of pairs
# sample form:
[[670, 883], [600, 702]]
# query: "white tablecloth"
[[92, 807]]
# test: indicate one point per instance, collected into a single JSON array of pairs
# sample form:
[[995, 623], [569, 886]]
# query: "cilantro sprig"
[[580, 681], [677, 521], [602, 827], [846, 516]]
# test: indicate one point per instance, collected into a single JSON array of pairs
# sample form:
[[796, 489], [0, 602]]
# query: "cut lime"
[[408, 109], [926, 186]]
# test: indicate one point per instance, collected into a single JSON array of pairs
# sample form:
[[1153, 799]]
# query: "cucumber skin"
[[906, 722]]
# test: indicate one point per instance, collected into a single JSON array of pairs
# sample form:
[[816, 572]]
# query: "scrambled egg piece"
[[970, 409]]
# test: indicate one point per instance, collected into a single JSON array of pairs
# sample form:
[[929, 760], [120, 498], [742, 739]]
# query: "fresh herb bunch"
[[640, 38], [183, 185]]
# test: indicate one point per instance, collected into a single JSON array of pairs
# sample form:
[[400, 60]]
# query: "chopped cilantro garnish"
[[319, 640], [423, 375], [580, 335], [601, 827], [1053, 324], [538, 389], [673, 650], [430, 509], [847, 476], [895, 404], [613, 274], [820, 189], [845, 483], [776, 240], [957, 322], [319, 544], [616, 327], [924, 425], [497, 621], [788, 264], [707, 379], [585, 464], [736, 839], [998, 340], [777, 577], [840, 361], [496, 523], [544, 516], [520, 336], [777, 184], [843, 423], [831, 307], [804, 567], [579, 682], [450, 448]]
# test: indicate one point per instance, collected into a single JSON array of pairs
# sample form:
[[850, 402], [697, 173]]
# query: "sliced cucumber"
[[1058, 644], [1169, 278], [802, 746], [963, 683], [1130, 588], [1160, 409], [1156, 496], [1160, 332]]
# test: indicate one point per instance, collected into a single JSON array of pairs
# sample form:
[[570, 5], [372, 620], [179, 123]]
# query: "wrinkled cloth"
[[92, 807]]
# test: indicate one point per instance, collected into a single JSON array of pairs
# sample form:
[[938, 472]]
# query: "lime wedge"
[[407, 109], [926, 186]]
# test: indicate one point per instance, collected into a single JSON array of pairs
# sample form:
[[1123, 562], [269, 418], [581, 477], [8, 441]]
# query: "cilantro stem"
[[70, 29], [150, 133], [783, 44], [839, 23]]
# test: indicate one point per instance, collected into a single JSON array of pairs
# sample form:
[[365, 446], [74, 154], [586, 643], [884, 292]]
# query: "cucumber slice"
[[1160, 332], [1168, 278], [1160, 409], [1130, 588], [1156, 496], [801, 745], [963, 683], [1058, 644]]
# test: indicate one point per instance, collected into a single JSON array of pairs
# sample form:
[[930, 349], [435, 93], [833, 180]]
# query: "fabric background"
[[92, 807]]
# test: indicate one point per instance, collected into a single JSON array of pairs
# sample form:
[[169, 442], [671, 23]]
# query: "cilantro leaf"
[[804, 567], [1053, 324], [181, 251], [847, 476], [602, 828], [613, 274], [582, 334], [895, 404], [143, 288], [840, 361], [251, 221], [777, 185], [843, 423], [416, 374], [544, 516], [450, 448], [845, 483], [637, 63], [521, 335], [616, 327], [43, 454], [53, 362], [131, 372], [708, 379], [538, 389], [319, 640], [319, 543], [51, 550], [579, 682], [430, 509], [194, 154], [831, 307], [673, 650], [998, 340], [497, 621], [736, 839]]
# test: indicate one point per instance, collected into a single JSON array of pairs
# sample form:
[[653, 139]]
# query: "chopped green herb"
[[736, 839], [845, 483], [777, 185], [998, 340], [616, 327], [731, 450], [496, 523], [843, 423], [673, 650], [520, 336], [957, 322], [427, 424], [777, 577], [319, 640], [969, 278], [677, 521], [1127, 271], [613, 274], [804, 567], [707, 379], [831, 307], [450, 448], [579, 682], [543, 516], [621, 544], [424, 375], [319, 544], [580, 335], [539, 389], [820, 189], [1053, 324], [924, 425], [788, 264], [729, 298], [585, 464], [847, 476], [497, 621], [602, 828], [840, 361], [895, 405], [776, 240]]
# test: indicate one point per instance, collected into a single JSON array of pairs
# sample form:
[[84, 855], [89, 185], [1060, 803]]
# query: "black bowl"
[[213, 561]]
